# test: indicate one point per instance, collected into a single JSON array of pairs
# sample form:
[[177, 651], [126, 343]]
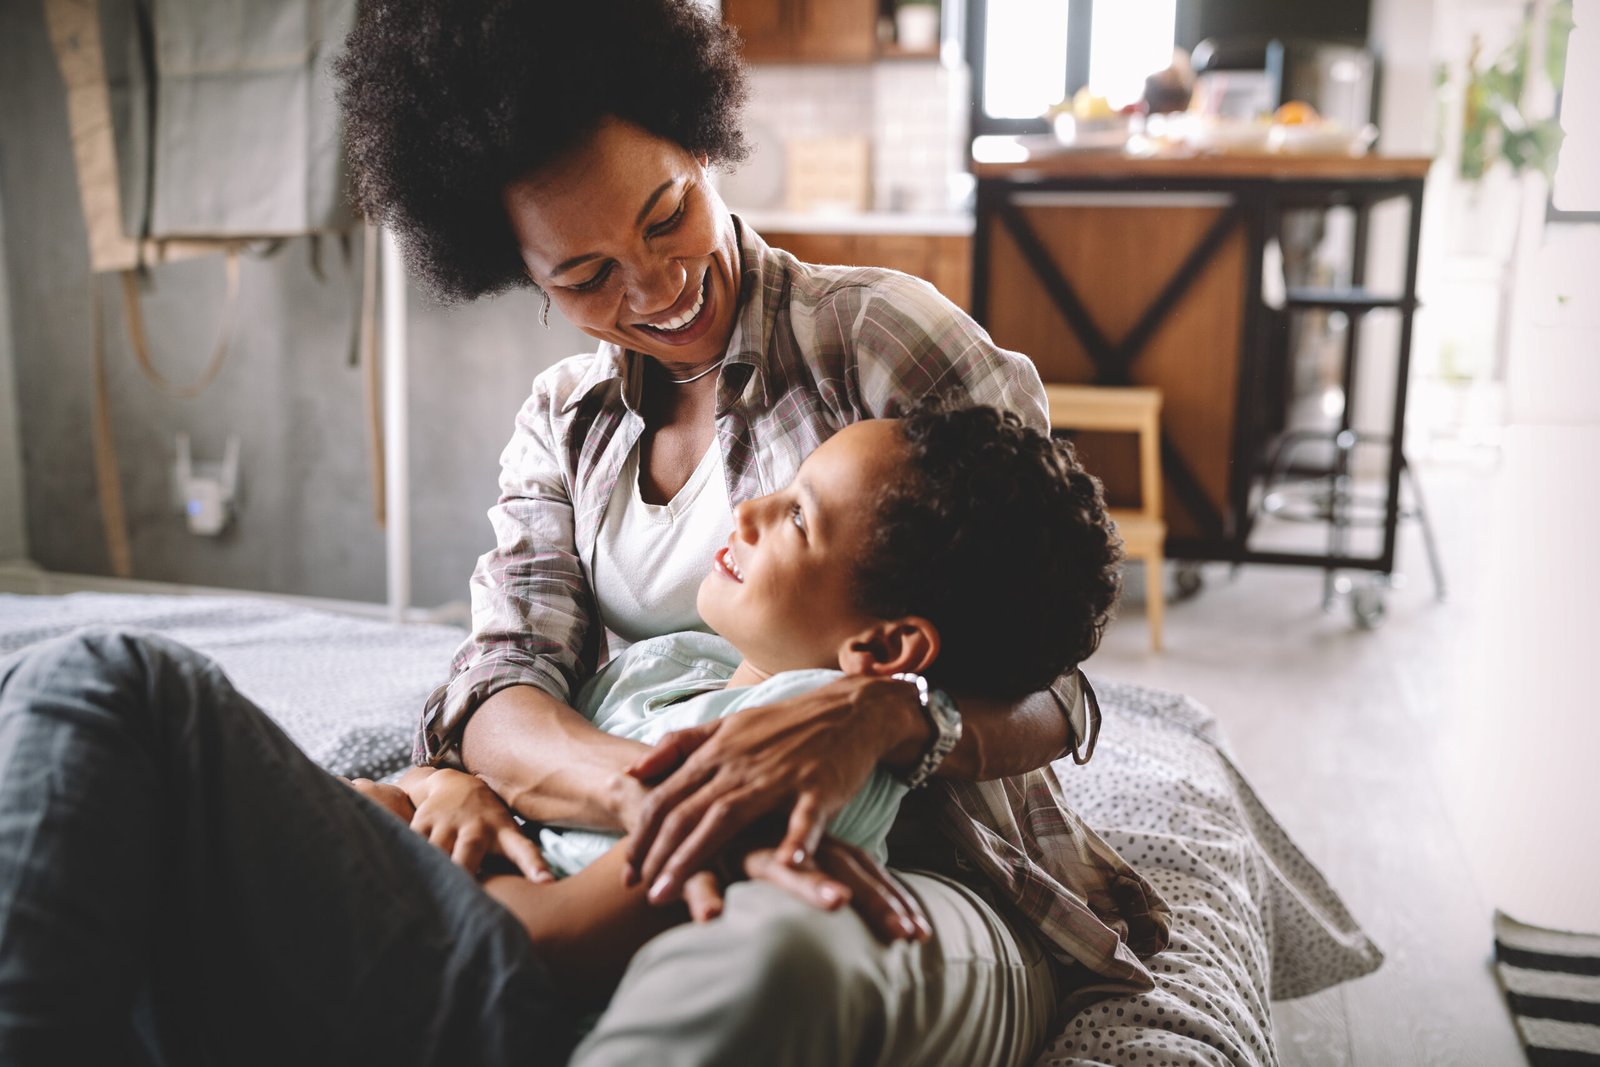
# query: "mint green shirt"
[[668, 683]]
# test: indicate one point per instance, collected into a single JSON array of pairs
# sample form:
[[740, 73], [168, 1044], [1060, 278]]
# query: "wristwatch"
[[941, 710]]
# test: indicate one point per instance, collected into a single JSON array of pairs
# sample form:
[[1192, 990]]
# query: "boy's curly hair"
[[447, 101], [1001, 540]]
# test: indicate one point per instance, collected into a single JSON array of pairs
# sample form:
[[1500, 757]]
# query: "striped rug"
[[1552, 982]]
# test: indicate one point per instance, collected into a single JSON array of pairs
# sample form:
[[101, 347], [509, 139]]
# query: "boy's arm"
[[585, 928]]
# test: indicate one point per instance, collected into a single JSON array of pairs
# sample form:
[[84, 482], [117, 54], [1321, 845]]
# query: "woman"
[[568, 148], [162, 844]]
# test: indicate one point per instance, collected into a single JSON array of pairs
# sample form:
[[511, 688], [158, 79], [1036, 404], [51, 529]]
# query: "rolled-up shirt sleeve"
[[530, 602]]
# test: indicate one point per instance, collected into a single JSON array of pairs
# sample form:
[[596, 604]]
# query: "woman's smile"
[[686, 324]]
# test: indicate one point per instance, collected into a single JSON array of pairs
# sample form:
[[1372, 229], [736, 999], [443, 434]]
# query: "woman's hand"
[[837, 874], [801, 760], [467, 821]]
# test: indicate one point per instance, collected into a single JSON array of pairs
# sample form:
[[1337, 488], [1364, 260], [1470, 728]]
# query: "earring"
[[544, 312]]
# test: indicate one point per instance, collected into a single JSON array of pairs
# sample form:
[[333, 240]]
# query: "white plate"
[[1227, 135], [1110, 132], [1321, 139]]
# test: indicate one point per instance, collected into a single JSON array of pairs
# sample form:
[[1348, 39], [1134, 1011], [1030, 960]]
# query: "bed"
[[1253, 919]]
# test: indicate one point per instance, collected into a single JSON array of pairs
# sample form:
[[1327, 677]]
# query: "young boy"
[[953, 543]]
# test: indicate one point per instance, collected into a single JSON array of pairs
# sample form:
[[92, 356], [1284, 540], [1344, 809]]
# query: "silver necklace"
[[697, 377]]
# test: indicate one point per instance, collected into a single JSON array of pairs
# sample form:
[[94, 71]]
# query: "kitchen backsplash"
[[913, 111]]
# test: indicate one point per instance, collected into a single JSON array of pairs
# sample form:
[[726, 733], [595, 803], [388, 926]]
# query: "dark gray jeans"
[[180, 884]]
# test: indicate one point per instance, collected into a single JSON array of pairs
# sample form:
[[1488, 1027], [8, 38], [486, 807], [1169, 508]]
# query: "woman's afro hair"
[[447, 101], [998, 537]]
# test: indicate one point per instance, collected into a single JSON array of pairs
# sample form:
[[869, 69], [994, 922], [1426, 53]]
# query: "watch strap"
[[945, 717]]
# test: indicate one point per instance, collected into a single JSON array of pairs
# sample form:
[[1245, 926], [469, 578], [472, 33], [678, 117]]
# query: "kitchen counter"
[[1043, 157], [936, 247], [922, 224], [1118, 269]]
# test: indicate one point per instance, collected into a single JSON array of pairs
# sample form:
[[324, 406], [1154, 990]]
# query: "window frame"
[[1551, 212], [1080, 18], [1080, 32]]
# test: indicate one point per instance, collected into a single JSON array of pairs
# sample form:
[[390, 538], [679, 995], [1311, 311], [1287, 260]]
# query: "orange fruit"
[[1296, 113]]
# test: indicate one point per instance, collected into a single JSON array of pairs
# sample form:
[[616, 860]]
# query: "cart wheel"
[[1189, 580], [1367, 606]]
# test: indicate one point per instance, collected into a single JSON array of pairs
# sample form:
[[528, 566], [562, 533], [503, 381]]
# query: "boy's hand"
[[467, 821], [387, 796]]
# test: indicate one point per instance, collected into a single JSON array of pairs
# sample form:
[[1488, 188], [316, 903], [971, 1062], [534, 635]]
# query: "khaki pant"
[[776, 982]]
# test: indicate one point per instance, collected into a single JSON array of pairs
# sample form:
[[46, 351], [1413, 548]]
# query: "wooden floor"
[[1434, 768]]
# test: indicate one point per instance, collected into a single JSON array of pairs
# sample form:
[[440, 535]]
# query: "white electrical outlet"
[[205, 492]]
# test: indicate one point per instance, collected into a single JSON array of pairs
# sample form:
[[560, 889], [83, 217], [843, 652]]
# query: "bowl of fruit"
[[1089, 121], [1297, 129]]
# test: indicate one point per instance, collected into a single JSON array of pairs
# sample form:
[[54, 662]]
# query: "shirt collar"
[[610, 363], [747, 346], [750, 343]]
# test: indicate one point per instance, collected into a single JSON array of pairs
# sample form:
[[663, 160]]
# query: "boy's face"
[[783, 589]]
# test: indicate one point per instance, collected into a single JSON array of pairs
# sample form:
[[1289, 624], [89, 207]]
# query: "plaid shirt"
[[813, 349]]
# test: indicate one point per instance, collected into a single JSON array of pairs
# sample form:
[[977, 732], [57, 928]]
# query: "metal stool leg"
[[1435, 564], [1344, 442]]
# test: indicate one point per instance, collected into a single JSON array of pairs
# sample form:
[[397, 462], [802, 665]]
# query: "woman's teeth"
[[732, 564], [686, 318]]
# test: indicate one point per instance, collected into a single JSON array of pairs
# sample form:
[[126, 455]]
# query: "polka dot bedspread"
[[1253, 920]]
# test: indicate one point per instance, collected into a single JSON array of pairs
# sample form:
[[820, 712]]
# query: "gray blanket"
[[347, 689]]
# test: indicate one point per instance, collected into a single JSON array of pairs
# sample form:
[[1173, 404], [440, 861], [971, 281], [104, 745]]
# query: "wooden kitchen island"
[[1118, 270]]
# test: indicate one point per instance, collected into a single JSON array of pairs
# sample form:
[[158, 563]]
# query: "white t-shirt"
[[649, 559]]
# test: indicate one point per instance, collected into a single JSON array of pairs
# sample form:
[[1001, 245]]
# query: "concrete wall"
[[306, 525], [13, 533]]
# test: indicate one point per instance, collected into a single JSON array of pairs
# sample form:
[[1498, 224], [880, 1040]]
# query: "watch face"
[[946, 719], [944, 711]]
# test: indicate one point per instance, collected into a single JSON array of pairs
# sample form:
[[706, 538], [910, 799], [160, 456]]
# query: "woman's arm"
[[804, 758], [546, 761], [531, 619], [998, 738]]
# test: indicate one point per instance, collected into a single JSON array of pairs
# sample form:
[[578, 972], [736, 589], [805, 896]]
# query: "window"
[[1029, 54], [1127, 43], [1024, 57], [1575, 193]]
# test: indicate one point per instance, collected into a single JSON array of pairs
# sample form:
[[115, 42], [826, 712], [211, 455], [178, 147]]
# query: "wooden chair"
[[1144, 532]]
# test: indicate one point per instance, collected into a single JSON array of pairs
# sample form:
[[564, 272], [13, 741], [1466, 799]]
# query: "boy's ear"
[[891, 646]]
